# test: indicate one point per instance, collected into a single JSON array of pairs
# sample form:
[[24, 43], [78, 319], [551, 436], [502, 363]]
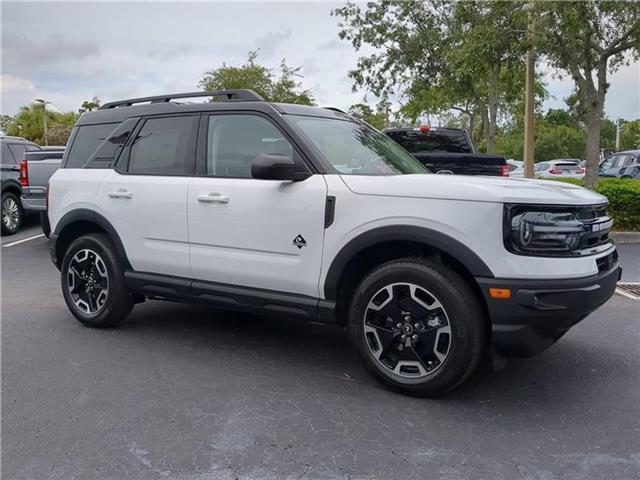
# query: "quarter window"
[[164, 146], [87, 140], [18, 151], [234, 141]]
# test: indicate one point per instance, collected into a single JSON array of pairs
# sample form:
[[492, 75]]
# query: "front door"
[[265, 234]]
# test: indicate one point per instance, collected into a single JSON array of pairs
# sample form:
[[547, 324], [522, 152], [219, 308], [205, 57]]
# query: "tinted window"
[[87, 140], [18, 151], [234, 141], [414, 141], [567, 167], [164, 146], [512, 166], [7, 157], [355, 149], [107, 152]]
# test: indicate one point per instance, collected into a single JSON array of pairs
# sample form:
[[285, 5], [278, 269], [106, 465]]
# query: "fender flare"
[[87, 215], [454, 248]]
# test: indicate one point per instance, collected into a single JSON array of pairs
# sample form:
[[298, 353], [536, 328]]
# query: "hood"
[[473, 188]]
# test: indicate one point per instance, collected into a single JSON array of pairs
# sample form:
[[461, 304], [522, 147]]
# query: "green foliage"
[[28, 123], [286, 88], [630, 135], [624, 200], [89, 105], [380, 118], [5, 122]]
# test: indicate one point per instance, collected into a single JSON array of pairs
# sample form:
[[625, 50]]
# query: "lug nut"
[[407, 318], [414, 337], [398, 325], [403, 337]]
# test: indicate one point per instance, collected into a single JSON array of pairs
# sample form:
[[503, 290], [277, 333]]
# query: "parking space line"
[[18, 242]]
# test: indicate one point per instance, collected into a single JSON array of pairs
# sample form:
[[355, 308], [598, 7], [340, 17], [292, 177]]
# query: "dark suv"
[[12, 153]]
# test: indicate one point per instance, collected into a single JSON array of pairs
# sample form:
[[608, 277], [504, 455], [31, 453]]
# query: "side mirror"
[[275, 167]]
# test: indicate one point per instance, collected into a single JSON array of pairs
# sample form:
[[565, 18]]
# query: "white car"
[[516, 168], [309, 213], [568, 168]]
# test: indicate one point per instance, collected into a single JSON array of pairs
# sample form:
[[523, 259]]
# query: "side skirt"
[[231, 297]]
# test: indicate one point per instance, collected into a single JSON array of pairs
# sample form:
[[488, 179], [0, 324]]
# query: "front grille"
[[597, 225]]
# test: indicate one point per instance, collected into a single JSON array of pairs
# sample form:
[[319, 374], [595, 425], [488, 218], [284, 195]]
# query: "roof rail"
[[225, 95], [336, 109]]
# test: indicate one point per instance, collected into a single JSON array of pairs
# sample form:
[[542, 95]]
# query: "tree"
[[380, 118], [28, 124], [89, 105], [589, 40], [442, 55], [5, 122], [286, 88]]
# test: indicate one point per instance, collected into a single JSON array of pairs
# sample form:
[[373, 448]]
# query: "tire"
[[44, 223], [92, 261], [445, 337], [12, 213]]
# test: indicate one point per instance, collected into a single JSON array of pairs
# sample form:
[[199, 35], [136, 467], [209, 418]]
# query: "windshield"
[[356, 149]]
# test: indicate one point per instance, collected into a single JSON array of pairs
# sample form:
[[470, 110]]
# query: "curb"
[[623, 238]]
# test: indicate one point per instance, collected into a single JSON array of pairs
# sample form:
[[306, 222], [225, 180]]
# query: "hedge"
[[624, 200]]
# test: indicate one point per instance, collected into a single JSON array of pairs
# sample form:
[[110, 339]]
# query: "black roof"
[[232, 100]]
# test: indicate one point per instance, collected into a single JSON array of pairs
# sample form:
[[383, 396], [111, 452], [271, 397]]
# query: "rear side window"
[[7, 156], [452, 141], [18, 151], [86, 141], [164, 146]]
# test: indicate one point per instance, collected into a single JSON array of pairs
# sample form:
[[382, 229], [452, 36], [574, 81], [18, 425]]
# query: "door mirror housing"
[[276, 167]]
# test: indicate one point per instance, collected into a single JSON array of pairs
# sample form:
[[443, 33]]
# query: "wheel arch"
[[80, 222], [12, 186], [368, 250]]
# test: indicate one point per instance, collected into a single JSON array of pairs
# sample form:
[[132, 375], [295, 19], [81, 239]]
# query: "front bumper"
[[539, 312]]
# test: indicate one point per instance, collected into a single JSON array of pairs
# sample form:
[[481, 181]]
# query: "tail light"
[[425, 128], [580, 171], [504, 170], [24, 174], [555, 171]]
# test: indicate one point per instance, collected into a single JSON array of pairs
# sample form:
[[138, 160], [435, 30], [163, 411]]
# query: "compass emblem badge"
[[299, 242]]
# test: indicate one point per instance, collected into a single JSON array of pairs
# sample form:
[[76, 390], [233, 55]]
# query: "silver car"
[[562, 168]]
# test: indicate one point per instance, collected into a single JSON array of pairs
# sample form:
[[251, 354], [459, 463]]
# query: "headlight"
[[555, 230], [546, 231]]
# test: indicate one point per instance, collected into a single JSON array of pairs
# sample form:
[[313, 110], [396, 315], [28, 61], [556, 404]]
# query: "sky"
[[70, 52]]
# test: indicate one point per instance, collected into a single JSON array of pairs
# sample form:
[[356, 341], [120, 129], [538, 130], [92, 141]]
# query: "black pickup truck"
[[447, 150]]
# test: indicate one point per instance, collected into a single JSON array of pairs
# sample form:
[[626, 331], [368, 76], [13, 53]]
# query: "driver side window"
[[234, 141]]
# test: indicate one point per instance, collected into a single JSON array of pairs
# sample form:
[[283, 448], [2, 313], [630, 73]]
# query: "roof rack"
[[224, 95]]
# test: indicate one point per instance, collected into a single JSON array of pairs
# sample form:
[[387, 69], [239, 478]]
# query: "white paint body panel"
[[249, 240]]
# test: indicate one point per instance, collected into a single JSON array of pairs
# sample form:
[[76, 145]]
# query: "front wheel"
[[92, 277], [12, 213], [418, 326]]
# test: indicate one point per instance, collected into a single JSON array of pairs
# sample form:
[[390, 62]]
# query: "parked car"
[[35, 171], [632, 171], [563, 168], [11, 154], [447, 150], [306, 212], [516, 168], [612, 166]]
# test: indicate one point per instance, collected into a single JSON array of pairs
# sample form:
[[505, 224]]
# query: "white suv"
[[306, 212]]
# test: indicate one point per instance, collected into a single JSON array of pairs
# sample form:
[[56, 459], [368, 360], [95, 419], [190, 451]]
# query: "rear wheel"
[[93, 286], [12, 213], [418, 326]]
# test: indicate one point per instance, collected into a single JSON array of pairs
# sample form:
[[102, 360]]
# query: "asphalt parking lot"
[[184, 392]]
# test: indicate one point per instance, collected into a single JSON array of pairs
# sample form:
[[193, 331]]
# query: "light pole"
[[44, 117]]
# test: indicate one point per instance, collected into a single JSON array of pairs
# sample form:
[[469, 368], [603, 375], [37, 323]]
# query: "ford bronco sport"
[[307, 212]]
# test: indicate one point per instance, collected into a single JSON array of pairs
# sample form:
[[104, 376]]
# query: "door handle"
[[121, 193], [213, 198]]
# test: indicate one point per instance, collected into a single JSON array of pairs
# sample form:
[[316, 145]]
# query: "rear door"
[[145, 196], [265, 234]]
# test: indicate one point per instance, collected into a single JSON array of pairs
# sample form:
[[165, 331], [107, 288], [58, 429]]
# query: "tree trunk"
[[493, 108], [595, 108], [594, 114], [484, 123]]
